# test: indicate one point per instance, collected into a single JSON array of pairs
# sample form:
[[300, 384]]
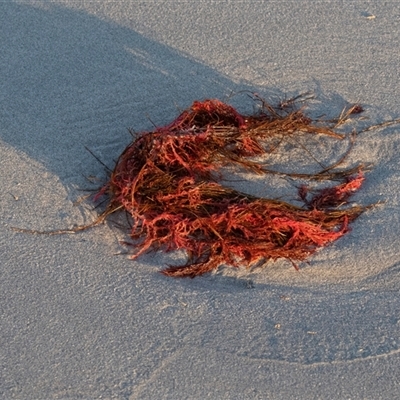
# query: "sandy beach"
[[79, 319]]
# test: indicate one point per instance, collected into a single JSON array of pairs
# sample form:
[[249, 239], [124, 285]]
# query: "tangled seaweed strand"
[[167, 181]]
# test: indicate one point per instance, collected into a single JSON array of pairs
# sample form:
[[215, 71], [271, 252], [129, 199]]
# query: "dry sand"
[[79, 321]]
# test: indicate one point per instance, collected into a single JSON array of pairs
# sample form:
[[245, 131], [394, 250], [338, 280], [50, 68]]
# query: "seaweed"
[[169, 182]]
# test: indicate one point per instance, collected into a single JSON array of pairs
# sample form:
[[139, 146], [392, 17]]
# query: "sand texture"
[[78, 318]]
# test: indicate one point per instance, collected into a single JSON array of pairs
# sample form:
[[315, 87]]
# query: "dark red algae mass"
[[168, 182]]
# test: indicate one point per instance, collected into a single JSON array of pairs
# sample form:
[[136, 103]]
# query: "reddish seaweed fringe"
[[167, 181]]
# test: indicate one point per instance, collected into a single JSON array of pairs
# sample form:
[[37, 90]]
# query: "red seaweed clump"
[[169, 182]]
